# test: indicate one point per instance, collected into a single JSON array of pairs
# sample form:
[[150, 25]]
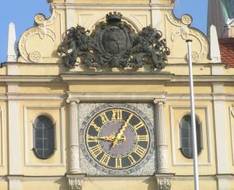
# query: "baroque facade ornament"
[[163, 183], [114, 44], [75, 182]]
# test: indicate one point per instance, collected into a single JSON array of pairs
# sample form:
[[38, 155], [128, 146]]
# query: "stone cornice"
[[143, 77], [108, 6], [28, 78], [116, 77]]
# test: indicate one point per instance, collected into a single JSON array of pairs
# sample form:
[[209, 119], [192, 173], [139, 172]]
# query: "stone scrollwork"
[[181, 32], [42, 33], [186, 19], [114, 44], [39, 19]]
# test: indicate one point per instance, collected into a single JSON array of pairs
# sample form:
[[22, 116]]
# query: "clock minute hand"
[[119, 135]]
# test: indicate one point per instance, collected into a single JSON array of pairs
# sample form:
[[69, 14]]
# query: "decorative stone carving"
[[35, 56], [163, 182], [39, 19], [181, 32], [195, 56], [43, 33], [75, 182], [114, 44], [186, 19]]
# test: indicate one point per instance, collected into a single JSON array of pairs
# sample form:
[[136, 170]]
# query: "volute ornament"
[[114, 44]]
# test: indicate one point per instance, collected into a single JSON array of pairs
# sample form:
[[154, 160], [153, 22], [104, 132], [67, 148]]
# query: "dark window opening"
[[43, 137]]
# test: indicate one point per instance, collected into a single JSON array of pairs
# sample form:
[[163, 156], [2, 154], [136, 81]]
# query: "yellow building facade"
[[113, 127]]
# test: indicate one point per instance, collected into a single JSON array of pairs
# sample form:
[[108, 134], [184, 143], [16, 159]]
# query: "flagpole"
[[193, 122]]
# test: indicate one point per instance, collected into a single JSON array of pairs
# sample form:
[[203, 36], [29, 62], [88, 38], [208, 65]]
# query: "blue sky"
[[22, 12]]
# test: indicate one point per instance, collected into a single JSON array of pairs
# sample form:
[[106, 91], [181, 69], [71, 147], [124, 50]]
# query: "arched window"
[[43, 129], [186, 136]]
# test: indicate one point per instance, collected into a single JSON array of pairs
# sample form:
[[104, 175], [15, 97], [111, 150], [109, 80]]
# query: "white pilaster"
[[14, 141], [15, 183], [74, 158], [221, 131], [11, 49], [71, 15], [156, 16], [161, 140], [15, 152]]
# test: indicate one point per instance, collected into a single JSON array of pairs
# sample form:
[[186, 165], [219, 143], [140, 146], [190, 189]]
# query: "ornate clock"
[[117, 138]]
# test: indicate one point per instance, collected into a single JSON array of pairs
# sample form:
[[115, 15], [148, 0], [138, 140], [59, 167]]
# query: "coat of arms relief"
[[114, 44]]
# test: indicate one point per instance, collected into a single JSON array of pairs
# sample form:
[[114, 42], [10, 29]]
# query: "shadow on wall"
[[62, 183], [151, 183]]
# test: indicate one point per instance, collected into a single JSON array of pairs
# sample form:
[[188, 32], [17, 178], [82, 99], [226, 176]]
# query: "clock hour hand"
[[105, 138]]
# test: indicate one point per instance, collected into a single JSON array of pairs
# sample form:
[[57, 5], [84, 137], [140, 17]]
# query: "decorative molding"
[[69, 99], [29, 79], [105, 6], [160, 100], [36, 96], [125, 96], [115, 97], [60, 131], [143, 97], [140, 77]]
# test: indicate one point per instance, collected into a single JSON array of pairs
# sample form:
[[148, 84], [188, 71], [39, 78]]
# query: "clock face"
[[117, 138]]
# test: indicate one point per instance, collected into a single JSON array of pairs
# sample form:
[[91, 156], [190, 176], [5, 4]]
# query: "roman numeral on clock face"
[[104, 118], [118, 162], [143, 137], [91, 139], [117, 114], [105, 159], [139, 125], [140, 151], [95, 126], [131, 159], [96, 150]]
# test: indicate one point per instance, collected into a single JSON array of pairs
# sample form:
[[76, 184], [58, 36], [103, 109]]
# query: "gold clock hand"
[[106, 138]]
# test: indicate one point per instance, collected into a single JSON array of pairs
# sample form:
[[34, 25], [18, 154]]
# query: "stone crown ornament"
[[114, 44]]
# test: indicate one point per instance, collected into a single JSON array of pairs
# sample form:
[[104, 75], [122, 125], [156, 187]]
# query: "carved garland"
[[114, 44]]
